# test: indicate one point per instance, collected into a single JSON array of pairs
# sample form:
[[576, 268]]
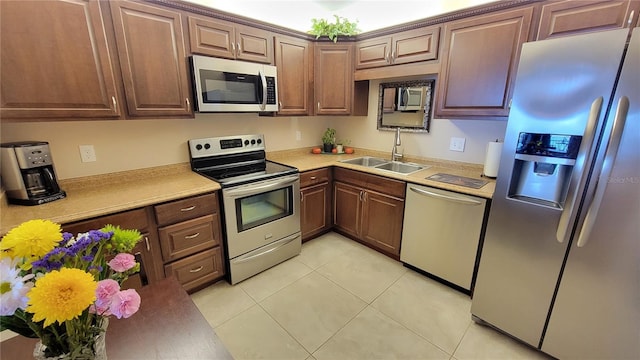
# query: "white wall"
[[133, 144]]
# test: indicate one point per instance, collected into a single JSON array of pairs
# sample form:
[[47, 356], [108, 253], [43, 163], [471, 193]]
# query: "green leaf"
[[341, 26]]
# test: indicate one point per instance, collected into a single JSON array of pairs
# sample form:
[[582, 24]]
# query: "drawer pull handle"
[[192, 236], [188, 208], [196, 269], [146, 241], [313, 178]]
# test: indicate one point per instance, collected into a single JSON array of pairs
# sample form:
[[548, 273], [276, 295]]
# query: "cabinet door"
[[415, 45], [347, 208], [373, 52], [152, 59], [294, 63], [333, 75], [315, 207], [562, 18], [382, 221], [213, 38], [146, 252], [254, 45], [480, 57], [55, 61]]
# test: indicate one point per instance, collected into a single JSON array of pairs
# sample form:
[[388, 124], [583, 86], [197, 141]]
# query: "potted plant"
[[342, 26], [328, 139]]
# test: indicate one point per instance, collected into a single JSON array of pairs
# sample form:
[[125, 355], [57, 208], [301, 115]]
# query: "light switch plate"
[[457, 144], [87, 153]]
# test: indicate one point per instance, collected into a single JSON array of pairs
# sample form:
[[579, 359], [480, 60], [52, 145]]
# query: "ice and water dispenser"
[[542, 168]]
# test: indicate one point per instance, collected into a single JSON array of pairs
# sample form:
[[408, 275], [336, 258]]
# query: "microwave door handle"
[[263, 82]]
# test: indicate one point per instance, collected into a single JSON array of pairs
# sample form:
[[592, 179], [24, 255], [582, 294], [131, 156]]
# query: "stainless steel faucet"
[[395, 155]]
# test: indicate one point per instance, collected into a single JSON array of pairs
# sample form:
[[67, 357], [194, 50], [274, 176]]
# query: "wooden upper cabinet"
[[152, 59], [55, 61], [562, 18], [227, 40], [479, 62], [401, 48], [294, 61], [333, 74]]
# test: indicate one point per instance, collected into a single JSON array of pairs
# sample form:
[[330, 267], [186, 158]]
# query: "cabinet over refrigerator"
[[560, 266]]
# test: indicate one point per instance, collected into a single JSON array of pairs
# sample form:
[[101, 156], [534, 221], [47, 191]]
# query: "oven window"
[[263, 208]]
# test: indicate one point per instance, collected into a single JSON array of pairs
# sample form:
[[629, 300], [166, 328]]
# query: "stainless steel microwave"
[[410, 98], [222, 85]]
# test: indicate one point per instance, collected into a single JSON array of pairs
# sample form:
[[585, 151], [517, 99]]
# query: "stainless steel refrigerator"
[[560, 265]]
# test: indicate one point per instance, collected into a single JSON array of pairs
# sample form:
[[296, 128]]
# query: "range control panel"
[[225, 145]]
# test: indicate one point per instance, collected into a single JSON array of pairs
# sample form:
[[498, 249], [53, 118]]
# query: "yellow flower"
[[61, 295], [31, 240]]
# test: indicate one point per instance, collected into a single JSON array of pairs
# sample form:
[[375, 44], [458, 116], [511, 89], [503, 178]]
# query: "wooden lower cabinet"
[[363, 212], [315, 203], [191, 240], [146, 252], [197, 270]]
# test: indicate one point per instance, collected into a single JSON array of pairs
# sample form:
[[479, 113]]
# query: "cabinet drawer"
[[372, 182], [313, 177], [189, 237], [185, 209], [198, 269], [133, 219]]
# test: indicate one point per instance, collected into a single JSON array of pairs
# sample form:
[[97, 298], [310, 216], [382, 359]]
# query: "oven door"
[[260, 213]]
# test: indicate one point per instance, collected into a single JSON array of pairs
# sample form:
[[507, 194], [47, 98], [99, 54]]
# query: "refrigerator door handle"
[[580, 173], [605, 170]]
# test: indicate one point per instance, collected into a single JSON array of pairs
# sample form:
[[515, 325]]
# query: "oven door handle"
[[249, 190], [273, 247]]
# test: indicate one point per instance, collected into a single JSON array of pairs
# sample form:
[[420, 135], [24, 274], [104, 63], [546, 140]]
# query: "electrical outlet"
[[298, 135], [87, 153], [457, 144]]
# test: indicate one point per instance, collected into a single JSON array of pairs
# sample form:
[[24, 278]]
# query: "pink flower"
[[104, 293], [125, 303], [122, 262]]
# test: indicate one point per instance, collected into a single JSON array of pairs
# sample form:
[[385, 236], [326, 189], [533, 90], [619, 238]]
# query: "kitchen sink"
[[400, 167], [366, 161]]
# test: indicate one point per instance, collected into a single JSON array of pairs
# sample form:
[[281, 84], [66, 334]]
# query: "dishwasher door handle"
[[458, 199]]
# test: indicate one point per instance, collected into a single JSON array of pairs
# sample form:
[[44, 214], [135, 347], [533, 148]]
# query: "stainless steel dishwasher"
[[441, 233]]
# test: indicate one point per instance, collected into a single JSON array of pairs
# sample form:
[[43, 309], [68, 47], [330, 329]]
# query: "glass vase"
[[99, 351]]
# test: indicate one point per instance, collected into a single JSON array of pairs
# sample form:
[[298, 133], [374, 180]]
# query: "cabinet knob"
[[188, 103], [239, 48], [301, 196], [318, 105], [146, 241], [233, 48], [113, 100]]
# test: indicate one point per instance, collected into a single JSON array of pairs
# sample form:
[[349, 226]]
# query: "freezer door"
[[597, 310], [562, 85]]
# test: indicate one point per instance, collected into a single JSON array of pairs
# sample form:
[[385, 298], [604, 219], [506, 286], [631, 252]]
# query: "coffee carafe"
[[27, 173]]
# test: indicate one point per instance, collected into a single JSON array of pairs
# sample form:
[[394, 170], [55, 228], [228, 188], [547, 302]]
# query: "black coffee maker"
[[27, 173]]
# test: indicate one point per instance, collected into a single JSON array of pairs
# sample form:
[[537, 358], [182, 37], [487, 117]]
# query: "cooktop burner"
[[234, 160]]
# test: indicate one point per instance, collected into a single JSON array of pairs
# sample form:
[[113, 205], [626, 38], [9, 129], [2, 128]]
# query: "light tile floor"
[[341, 300]]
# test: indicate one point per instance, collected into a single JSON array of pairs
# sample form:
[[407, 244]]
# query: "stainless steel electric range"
[[260, 201]]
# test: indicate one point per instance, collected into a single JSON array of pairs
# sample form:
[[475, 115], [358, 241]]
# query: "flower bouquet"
[[62, 288]]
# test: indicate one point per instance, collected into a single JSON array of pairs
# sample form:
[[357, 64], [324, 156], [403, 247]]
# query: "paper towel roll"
[[492, 159]]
